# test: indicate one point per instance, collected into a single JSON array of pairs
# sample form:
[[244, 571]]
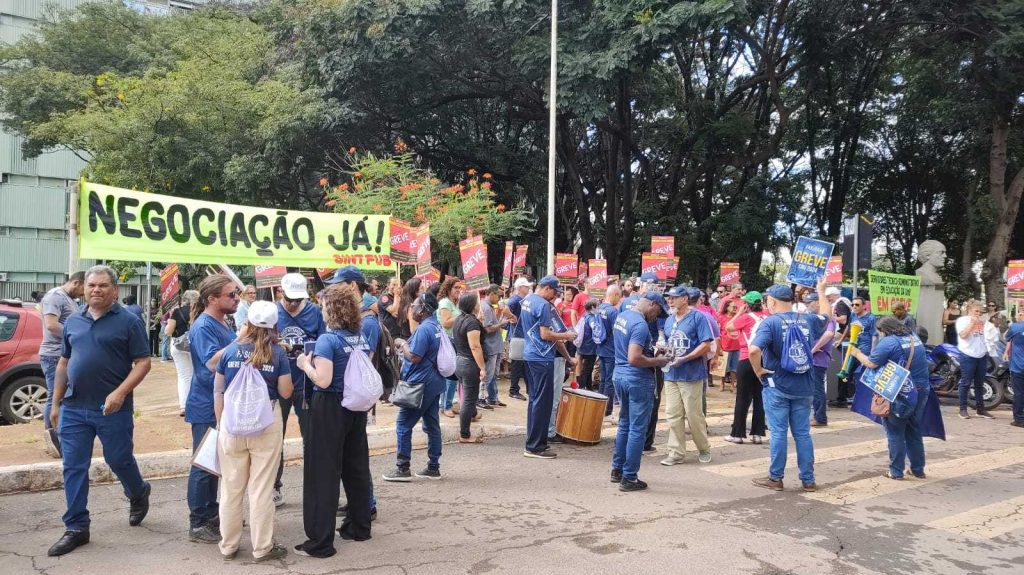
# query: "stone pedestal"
[[929, 312]]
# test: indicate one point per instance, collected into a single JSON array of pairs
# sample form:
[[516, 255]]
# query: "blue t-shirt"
[[236, 355], [631, 327], [370, 330], [425, 342], [629, 303], [538, 312], [864, 339], [587, 346], [769, 338], [823, 357], [897, 349], [207, 336], [1015, 337], [608, 313], [308, 325], [515, 306], [683, 336], [137, 310], [336, 345], [100, 355]]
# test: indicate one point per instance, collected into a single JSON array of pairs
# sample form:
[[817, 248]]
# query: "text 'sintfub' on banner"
[[519, 265], [403, 242], [423, 266], [886, 289], [474, 263], [834, 273], [506, 266], [115, 223], [1015, 278], [728, 273], [169, 284], [567, 269], [269, 276], [810, 261], [597, 279], [663, 246]]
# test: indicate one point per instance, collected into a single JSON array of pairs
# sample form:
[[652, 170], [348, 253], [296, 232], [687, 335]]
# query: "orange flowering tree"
[[395, 185]]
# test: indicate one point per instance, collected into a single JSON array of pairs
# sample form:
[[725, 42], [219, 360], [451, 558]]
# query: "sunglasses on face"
[[856, 305], [290, 300], [232, 295]]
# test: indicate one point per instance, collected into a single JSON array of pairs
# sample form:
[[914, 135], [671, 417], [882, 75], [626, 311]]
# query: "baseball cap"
[[649, 277], [550, 282], [832, 291], [294, 286], [657, 298], [752, 296], [678, 291], [522, 282], [263, 314], [694, 294], [812, 297], [780, 292], [347, 274]]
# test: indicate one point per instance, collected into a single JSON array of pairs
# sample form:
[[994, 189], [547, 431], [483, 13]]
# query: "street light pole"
[[552, 99]]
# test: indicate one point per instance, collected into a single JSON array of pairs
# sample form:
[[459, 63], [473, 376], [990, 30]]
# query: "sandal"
[[448, 413], [889, 475]]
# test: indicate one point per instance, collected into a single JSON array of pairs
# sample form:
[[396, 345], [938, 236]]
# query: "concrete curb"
[[167, 464]]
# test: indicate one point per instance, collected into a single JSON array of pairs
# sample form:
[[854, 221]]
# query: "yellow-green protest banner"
[[115, 223], [886, 289]]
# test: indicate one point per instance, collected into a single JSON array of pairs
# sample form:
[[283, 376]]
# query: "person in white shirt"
[[973, 359]]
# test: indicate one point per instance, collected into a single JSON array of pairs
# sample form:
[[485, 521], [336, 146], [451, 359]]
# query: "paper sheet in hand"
[[205, 457]]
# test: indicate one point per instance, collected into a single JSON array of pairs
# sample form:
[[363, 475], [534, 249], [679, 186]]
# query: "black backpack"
[[385, 358]]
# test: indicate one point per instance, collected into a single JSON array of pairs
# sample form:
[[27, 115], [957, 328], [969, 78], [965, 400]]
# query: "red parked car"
[[22, 385]]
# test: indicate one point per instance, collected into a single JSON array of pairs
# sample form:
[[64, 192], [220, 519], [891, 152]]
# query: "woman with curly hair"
[[447, 310], [336, 448]]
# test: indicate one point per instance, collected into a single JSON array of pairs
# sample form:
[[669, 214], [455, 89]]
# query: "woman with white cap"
[[248, 464]]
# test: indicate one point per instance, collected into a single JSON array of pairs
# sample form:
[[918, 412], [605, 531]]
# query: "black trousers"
[[748, 391], [652, 427], [586, 379], [517, 371], [301, 414], [469, 378], [334, 450]]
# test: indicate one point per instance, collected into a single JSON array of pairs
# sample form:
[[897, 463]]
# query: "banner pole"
[[73, 261]]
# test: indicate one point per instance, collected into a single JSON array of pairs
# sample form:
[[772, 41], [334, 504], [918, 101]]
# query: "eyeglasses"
[[232, 295], [856, 305], [991, 305], [290, 300]]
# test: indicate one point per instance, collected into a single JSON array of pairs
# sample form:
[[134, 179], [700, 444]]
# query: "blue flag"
[[931, 423]]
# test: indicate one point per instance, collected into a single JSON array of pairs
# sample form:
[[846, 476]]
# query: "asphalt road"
[[497, 512]]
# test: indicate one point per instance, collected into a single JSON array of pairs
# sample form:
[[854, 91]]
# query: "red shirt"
[[579, 303], [729, 343], [744, 323]]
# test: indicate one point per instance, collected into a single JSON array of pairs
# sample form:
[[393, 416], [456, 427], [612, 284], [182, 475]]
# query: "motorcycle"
[[944, 376]]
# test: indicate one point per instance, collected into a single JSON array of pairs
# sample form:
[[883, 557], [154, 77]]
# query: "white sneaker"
[[704, 457], [732, 439], [671, 460], [278, 498]]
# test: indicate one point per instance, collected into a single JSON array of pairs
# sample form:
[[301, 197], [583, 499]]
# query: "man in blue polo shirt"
[[517, 368], [634, 383], [208, 336], [865, 343], [688, 338], [787, 394], [544, 333], [608, 312], [1015, 355], [104, 357]]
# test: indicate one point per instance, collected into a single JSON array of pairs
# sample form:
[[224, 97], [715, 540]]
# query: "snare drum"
[[580, 415]]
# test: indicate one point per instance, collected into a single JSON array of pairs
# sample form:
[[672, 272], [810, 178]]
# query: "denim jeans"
[[607, 381], [492, 362], [635, 400], [973, 370], [165, 347], [78, 428], [540, 377], [1017, 381], [789, 411], [202, 486], [407, 419], [905, 439], [820, 402], [49, 364], [448, 398], [556, 393]]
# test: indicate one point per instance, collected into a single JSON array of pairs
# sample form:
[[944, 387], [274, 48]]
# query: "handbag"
[[881, 406], [182, 343], [515, 348], [407, 395]]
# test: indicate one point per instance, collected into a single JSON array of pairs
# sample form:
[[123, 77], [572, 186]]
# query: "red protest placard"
[[506, 267], [423, 266], [597, 279], [325, 273], [834, 271], [663, 246], [1015, 278], [474, 263], [269, 276], [430, 278], [169, 284], [567, 268], [673, 269], [519, 264], [583, 272], [655, 263], [729, 273], [403, 242]]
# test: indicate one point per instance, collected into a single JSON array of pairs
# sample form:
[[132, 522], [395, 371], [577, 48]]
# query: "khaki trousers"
[[684, 406], [248, 466]]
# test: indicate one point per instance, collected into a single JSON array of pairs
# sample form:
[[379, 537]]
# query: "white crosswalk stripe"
[[985, 522]]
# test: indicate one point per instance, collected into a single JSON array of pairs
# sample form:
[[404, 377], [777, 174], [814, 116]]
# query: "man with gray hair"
[[899, 311], [104, 357]]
